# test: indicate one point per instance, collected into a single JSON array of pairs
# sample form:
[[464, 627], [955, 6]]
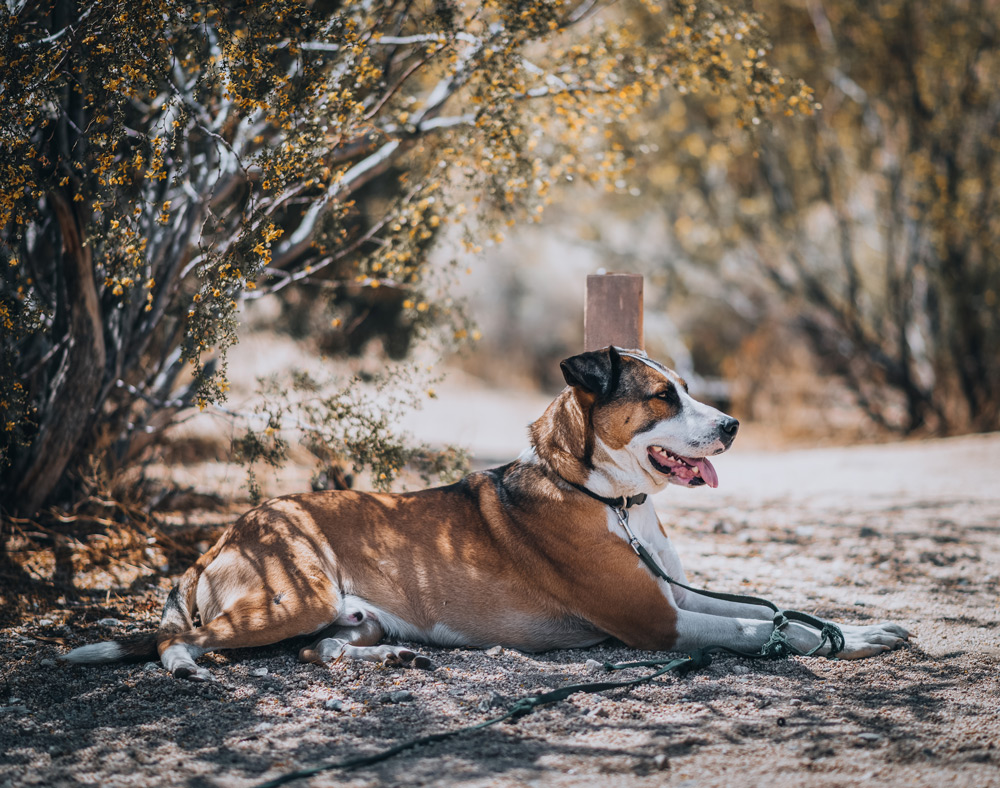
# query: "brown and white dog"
[[523, 556]]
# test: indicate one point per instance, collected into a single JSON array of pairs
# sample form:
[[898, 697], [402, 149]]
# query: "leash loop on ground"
[[518, 709]]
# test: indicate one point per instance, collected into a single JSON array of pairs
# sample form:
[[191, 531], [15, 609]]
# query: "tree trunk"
[[66, 411]]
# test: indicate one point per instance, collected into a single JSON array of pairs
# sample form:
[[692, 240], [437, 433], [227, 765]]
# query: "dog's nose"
[[729, 427]]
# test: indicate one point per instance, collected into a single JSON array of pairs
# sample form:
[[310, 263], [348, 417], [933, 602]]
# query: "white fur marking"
[[96, 653], [181, 655], [395, 627], [646, 527], [644, 524], [699, 630], [220, 586]]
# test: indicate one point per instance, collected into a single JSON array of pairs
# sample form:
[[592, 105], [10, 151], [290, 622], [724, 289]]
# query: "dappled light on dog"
[[498, 559]]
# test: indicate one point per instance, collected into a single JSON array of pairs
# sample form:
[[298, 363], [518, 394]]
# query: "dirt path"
[[905, 532]]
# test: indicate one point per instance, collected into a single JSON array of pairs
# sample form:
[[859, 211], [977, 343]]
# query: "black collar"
[[615, 503]]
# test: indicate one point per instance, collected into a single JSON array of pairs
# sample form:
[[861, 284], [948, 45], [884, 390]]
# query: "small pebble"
[[496, 651], [795, 702], [740, 669], [594, 666], [45, 622], [399, 696], [108, 622], [333, 704], [47, 663], [259, 672], [151, 666], [661, 762], [493, 700], [870, 737]]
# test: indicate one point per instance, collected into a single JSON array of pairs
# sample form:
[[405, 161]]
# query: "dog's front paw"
[[866, 641]]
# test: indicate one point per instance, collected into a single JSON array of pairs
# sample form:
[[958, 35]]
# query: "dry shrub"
[[119, 536], [777, 382]]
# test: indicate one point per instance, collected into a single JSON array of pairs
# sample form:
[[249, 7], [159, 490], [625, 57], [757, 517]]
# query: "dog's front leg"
[[698, 621], [700, 630], [696, 603]]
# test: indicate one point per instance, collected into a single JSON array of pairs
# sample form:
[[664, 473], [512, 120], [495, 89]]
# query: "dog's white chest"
[[644, 524]]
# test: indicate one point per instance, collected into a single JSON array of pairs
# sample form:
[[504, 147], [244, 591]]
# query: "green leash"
[[777, 647], [518, 709]]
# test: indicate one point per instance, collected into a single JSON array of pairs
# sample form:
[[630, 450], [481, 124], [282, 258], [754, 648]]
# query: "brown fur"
[[512, 556], [515, 556], [448, 555]]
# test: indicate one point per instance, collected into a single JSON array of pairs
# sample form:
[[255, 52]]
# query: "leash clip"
[[633, 541]]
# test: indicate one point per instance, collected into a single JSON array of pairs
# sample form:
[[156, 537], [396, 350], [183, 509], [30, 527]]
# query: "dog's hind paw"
[[193, 674], [404, 658]]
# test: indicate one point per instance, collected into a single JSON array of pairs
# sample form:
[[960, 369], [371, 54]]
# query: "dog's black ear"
[[596, 371]]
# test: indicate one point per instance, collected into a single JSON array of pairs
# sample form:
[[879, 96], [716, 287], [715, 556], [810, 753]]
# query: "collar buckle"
[[622, 502]]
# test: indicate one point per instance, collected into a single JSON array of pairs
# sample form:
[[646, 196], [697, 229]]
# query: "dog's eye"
[[668, 395]]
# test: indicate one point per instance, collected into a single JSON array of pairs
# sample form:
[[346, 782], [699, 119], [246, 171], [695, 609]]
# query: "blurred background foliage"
[[837, 273]]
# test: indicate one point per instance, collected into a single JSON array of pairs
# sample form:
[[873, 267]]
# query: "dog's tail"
[[177, 617], [140, 648]]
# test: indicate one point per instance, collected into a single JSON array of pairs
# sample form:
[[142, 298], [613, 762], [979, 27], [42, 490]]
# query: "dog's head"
[[647, 430]]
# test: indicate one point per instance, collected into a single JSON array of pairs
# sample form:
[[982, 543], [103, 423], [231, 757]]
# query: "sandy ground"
[[903, 532]]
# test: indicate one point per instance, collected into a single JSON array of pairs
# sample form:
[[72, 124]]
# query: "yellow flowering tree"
[[162, 160]]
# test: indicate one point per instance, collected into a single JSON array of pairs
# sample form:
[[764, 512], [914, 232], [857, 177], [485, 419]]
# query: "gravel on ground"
[[903, 532]]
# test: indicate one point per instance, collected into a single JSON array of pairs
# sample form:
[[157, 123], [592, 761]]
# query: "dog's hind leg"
[[255, 619], [361, 642]]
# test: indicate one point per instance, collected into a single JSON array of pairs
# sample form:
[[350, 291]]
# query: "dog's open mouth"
[[686, 471]]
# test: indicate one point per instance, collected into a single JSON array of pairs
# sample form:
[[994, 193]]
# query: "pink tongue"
[[707, 471]]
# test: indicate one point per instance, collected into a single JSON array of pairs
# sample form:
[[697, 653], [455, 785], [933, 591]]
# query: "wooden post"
[[613, 312]]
